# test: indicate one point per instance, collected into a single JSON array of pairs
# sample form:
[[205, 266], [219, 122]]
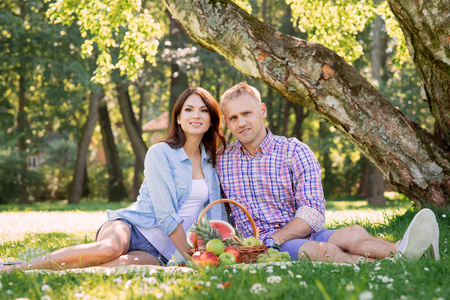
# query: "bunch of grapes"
[[273, 255]]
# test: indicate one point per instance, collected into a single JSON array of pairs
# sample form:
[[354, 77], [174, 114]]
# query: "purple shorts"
[[293, 246]]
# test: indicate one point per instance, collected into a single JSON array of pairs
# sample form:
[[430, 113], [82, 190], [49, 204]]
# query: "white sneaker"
[[419, 236], [433, 251]]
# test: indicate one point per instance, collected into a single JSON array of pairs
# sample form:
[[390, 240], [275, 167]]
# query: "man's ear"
[[263, 110]]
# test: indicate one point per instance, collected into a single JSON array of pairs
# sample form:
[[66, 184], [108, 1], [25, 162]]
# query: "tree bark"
[[138, 166], [300, 116], [377, 186], [116, 189], [306, 73], [22, 126], [178, 79], [131, 124], [363, 190], [79, 174], [425, 25]]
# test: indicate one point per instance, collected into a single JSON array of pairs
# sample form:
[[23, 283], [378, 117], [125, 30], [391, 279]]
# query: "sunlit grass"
[[386, 279]]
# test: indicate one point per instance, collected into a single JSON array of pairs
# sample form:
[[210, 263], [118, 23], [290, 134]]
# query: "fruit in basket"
[[209, 230], [262, 258], [250, 241], [215, 246], [196, 259], [226, 258], [273, 255], [233, 250], [209, 259]]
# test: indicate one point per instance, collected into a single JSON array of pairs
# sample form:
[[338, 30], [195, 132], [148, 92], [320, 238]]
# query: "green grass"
[[385, 279]]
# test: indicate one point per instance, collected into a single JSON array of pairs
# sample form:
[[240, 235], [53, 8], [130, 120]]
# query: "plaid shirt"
[[284, 176]]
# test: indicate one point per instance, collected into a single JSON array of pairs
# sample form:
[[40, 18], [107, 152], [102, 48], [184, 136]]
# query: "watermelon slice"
[[225, 229]]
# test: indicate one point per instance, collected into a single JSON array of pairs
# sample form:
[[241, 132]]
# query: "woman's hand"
[[178, 238]]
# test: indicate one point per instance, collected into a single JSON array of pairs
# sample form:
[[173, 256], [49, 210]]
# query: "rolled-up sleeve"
[[307, 183], [162, 188]]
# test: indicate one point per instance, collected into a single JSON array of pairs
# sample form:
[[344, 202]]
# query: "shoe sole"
[[418, 237]]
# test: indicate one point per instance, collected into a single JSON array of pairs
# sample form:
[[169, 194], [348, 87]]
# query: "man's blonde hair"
[[237, 91]]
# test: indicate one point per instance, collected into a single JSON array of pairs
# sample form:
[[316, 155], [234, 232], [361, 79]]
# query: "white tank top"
[[189, 212]]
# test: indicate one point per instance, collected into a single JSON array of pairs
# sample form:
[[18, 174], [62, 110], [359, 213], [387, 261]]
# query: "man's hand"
[[296, 229]]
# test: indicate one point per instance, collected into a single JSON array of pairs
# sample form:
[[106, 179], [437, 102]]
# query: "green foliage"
[[394, 31], [336, 25], [109, 25], [13, 178]]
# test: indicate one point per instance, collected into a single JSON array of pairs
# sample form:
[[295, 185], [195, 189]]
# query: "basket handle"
[[252, 223]]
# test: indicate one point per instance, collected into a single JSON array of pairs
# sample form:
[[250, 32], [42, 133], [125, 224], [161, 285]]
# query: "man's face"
[[245, 118]]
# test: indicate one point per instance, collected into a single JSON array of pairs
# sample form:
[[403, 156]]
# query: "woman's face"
[[194, 117]]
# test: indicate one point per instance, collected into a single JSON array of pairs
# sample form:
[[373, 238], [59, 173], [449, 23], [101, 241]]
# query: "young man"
[[278, 180]]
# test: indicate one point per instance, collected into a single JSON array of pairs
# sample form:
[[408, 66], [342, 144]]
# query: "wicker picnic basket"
[[246, 254]]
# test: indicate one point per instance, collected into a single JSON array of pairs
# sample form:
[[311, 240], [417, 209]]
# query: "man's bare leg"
[[356, 240], [327, 252]]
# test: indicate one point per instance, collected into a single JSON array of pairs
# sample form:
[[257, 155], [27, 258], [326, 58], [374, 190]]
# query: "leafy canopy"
[[336, 24], [112, 25], [126, 33]]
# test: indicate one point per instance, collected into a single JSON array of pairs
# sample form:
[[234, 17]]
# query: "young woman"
[[180, 177]]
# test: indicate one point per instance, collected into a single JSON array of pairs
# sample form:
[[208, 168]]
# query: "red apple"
[[234, 251], [209, 259], [196, 259]]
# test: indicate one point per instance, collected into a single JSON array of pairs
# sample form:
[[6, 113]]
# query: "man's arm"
[[296, 229], [308, 192]]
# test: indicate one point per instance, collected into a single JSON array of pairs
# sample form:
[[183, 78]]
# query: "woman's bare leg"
[[132, 258], [113, 240]]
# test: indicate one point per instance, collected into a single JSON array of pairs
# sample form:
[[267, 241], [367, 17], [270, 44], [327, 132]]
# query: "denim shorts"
[[139, 243], [293, 246]]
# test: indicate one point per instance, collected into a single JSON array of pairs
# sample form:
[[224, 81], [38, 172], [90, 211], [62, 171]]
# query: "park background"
[[85, 90], [75, 125]]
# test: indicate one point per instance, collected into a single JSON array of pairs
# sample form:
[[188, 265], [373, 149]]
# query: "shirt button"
[[178, 183]]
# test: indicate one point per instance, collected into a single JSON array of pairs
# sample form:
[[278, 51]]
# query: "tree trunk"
[[326, 163], [300, 117], [178, 79], [377, 186], [363, 190], [285, 117], [138, 166], [116, 189], [79, 174], [131, 124], [306, 73], [425, 25], [22, 126]]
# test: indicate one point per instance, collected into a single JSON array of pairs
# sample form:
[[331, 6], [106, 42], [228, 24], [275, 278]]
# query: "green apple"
[[250, 241], [227, 258], [215, 246]]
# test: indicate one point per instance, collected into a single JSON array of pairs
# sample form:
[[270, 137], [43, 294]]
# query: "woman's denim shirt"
[[167, 183]]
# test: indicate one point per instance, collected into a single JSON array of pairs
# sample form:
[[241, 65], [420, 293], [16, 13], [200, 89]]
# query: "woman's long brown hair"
[[176, 137]]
